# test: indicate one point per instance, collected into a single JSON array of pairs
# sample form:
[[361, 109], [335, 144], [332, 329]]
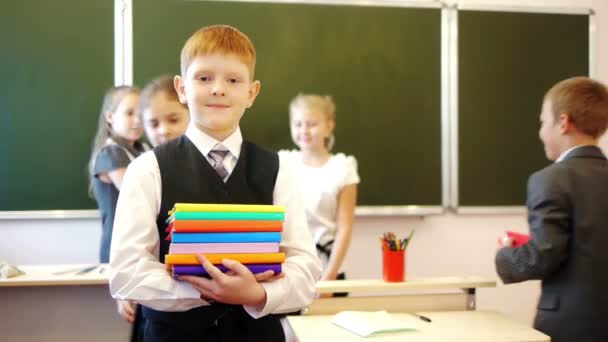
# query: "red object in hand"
[[519, 239]]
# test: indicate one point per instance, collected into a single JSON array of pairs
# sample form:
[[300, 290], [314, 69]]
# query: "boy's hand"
[[268, 276], [505, 241], [238, 286], [125, 309]]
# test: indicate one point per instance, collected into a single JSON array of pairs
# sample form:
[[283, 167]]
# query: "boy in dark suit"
[[568, 217]]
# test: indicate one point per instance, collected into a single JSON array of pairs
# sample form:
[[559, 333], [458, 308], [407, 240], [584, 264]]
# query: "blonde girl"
[[327, 181], [116, 144]]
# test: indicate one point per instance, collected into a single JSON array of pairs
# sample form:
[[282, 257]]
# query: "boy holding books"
[[211, 163]]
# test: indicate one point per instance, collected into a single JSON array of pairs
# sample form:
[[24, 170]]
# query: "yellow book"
[[208, 207], [245, 258]]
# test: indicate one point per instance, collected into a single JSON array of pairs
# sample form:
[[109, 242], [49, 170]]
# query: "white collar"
[[206, 143], [566, 152]]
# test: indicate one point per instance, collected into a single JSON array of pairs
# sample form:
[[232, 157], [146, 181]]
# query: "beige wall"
[[444, 245]]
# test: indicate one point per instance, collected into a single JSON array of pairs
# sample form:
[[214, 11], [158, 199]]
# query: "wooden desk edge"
[[378, 285], [323, 322], [44, 275], [51, 282]]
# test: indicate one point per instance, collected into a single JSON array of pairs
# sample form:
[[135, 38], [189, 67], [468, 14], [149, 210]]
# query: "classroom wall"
[[444, 245]]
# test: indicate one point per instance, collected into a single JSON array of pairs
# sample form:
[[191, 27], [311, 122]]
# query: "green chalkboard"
[[56, 62], [506, 63], [381, 65]]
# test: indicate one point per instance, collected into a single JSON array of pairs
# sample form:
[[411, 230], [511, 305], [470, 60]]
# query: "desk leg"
[[471, 302]]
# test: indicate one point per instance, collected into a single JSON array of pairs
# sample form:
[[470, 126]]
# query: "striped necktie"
[[217, 158]]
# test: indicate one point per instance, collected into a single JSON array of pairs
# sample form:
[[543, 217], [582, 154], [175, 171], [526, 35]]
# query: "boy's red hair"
[[223, 39]]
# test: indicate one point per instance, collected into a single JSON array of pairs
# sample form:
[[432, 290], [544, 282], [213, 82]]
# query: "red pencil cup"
[[393, 266]]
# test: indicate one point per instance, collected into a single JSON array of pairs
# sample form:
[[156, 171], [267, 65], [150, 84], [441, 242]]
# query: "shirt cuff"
[[185, 290], [274, 299]]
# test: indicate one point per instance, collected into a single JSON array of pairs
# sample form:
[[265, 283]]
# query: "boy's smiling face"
[[217, 89]]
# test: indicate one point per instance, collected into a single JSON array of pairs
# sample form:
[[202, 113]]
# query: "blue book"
[[209, 215], [225, 237]]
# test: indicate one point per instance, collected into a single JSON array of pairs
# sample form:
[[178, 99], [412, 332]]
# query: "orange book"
[[247, 258], [193, 226]]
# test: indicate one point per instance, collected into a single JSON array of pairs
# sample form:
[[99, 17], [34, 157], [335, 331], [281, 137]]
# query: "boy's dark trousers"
[[137, 331], [215, 323]]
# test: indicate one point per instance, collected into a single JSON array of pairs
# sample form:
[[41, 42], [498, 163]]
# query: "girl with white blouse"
[[328, 181]]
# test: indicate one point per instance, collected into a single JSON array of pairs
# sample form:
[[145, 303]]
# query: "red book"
[[200, 226]]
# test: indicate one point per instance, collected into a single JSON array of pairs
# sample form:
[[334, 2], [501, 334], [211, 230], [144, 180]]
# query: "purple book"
[[200, 271]]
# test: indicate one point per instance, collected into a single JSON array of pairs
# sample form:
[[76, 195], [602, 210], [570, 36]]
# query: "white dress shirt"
[[136, 273], [321, 187]]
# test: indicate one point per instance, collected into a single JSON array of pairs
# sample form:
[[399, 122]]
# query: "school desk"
[[43, 306], [423, 294], [453, 326], [442, 299]]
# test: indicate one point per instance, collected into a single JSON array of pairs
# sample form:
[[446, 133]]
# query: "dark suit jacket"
[[568, 217]]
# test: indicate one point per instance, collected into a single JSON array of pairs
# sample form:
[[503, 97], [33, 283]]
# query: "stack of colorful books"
[[249, 234]]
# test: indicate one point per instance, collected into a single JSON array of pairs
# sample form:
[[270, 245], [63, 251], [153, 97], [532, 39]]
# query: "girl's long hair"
[[111, 101]]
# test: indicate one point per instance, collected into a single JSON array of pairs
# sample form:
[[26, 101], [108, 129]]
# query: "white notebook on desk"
[[366, 323]]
